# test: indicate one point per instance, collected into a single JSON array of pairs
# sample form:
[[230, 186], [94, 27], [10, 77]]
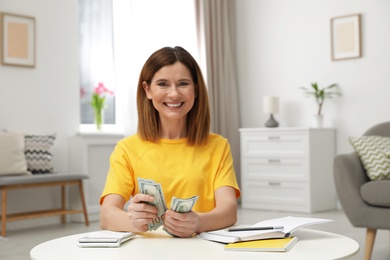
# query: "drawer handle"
[[274, 160], [274, 183], [274, 137]]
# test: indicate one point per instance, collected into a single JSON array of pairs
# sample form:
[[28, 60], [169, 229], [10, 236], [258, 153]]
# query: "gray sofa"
[[366, 203]]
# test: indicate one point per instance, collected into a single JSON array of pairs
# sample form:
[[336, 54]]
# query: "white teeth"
[[173, 105]]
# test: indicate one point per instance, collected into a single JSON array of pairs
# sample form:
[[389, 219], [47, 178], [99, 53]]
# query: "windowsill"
[[90, 130]]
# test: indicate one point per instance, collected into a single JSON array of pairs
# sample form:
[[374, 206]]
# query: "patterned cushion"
[[38, 153], [374, 152]]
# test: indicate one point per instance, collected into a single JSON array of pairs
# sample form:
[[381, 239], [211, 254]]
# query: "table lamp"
[[271, 106]]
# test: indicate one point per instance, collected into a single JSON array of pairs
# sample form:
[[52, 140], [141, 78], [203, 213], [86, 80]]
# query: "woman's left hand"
[[181, 224]]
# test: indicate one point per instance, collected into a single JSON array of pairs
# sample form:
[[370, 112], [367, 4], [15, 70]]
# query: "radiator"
[[90, 155]]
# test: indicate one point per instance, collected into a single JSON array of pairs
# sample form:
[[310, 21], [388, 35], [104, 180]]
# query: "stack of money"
[[154, 189], [182, 206]]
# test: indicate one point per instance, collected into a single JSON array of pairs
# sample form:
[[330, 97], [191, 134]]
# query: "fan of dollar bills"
[[154, 189]]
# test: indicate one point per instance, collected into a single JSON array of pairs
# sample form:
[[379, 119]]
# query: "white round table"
[[312, 244]]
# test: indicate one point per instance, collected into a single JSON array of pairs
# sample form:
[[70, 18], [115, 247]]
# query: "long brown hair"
[[198, 118]]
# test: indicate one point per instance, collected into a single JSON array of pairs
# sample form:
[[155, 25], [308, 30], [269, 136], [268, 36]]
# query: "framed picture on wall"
[[17, 34], [346, 37]]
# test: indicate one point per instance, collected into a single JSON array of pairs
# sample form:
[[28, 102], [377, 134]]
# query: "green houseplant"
[[320, 94]]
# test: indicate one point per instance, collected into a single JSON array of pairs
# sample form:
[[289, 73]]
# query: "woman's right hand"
[[140, 213]]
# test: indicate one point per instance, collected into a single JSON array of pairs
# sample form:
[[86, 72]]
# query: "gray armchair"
[[366, 203]]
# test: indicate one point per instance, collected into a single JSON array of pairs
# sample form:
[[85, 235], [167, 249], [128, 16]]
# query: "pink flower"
[[82, 92], [101, 89]]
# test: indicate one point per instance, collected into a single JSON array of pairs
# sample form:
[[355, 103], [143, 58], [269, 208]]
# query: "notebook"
[[104, 238], [264, 245], [288, 225]]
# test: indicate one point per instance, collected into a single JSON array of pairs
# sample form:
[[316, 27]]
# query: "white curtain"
[[96, 55], [216, 35]]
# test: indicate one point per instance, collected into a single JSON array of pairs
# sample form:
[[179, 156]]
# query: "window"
[[138, 29], [96, 56]]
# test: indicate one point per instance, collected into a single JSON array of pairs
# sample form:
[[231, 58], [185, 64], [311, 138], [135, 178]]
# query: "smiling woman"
[[138, 28], [172, 156]]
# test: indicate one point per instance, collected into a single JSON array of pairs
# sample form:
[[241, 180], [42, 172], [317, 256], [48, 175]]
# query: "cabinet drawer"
[[275, 195], [287, 169], [280, 144]]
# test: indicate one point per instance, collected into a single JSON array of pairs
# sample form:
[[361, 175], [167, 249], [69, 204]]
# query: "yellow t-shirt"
[[182, 170]]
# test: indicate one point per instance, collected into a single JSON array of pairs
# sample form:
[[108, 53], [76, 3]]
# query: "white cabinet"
[[288, 169], [90, 155]]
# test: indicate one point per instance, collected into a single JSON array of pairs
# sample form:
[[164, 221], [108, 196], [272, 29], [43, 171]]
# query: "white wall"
[[44, 99], [284, 44]]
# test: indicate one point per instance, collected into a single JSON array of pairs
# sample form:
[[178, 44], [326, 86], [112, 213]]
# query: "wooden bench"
[[37, 181]]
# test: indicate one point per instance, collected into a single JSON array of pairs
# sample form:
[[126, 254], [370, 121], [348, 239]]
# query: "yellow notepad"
[[277, 245]]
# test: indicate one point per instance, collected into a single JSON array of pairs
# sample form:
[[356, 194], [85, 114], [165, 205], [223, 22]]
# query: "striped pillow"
[[38, 153], [374, 153]]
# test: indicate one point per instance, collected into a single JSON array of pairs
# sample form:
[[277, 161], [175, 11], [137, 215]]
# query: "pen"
[[255, 228]]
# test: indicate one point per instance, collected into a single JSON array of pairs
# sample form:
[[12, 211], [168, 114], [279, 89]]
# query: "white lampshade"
[[271, 105]]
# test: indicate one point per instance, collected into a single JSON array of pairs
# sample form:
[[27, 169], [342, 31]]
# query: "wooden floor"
[[19, 242]]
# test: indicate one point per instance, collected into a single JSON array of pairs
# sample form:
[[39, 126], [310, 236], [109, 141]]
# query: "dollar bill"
[[182, 206], [154, 189]]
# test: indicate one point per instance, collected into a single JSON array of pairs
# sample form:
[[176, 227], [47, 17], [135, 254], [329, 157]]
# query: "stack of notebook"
[[105, 238], [269, 235]]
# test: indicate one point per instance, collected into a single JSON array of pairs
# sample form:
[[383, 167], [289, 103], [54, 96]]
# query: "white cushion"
[[12, 158]]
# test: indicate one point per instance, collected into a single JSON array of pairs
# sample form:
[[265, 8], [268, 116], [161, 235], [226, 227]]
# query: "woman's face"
[[172, 91]]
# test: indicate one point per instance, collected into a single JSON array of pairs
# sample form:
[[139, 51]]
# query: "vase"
[[271, 122], [318, 121], [99, 118]]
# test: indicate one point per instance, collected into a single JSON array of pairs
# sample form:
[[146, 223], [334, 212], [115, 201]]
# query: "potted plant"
[[320, 94], [98, 103]]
